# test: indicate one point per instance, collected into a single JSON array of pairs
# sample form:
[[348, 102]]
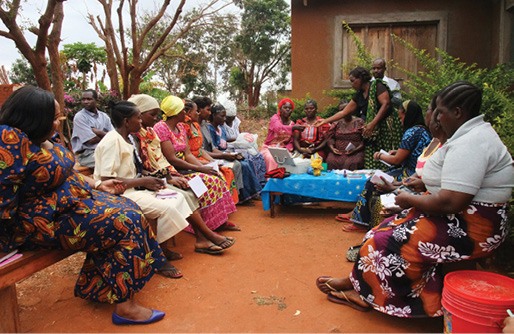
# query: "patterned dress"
[[341, 134], [368, 207], [312, 136], [45, 203], [194, 134], [216, 204], [387, 134]]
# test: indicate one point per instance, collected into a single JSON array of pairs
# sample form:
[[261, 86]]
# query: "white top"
[[473, 161], [232, 131]]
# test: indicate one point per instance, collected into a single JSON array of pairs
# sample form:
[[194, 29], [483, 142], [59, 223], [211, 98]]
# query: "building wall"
[[472, 35]]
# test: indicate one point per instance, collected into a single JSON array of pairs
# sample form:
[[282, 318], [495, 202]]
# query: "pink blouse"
[[179, 140], [279, 133]]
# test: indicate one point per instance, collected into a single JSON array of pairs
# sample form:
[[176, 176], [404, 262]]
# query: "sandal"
[[211, 250], [170, 271], [227, 243], [346, 301], [354, 228], [343, 217], [322, 286]]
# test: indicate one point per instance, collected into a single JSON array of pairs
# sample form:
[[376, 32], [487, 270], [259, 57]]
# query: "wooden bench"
[[30, 263]]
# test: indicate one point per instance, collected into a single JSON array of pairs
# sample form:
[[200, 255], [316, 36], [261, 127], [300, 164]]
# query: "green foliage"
[[82, 58], [261, 49], [22, 73], [339, 95], [363, 57]]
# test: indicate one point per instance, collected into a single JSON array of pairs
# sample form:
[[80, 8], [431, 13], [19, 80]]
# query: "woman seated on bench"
[[463, 216], [45, 203], [114, 158]]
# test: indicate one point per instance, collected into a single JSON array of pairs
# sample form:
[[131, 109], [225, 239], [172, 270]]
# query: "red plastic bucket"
[[476, 301]]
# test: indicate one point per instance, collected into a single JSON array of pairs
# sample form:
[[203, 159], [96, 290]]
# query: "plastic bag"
[[247, 141]]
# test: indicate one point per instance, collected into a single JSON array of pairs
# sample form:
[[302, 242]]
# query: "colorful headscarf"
[[144, 102], [282, 102], [171, 106]]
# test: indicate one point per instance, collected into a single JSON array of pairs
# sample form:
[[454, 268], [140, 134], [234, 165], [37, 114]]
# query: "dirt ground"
[[264, 284]]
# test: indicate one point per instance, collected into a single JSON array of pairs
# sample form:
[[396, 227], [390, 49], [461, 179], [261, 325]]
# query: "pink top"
[[279, 133], [179, 141]]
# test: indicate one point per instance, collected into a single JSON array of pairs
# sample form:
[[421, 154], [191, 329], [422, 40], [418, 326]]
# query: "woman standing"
[[217, 203], [343, 133], [251, 186], [47, 204], [372, 102], [416, 137], [311, 139], [462, 217], [280, 132]]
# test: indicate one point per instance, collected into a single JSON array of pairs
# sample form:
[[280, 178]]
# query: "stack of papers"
[[377, 177]]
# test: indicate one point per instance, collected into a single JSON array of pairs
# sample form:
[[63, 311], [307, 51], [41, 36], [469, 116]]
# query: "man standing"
[[89, 126], [378, 69]]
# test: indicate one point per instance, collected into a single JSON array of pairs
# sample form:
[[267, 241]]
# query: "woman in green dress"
[[372, 102]]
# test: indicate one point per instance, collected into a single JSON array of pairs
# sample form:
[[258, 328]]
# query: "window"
[[424, 30]]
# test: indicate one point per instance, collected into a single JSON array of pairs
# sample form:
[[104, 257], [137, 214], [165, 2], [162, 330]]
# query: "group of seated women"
[[347, 140], [45, 203], [463, 182]]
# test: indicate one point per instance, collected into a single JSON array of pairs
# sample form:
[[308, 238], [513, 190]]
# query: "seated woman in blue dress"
[[45, 203], [252, 186], [416, 137]]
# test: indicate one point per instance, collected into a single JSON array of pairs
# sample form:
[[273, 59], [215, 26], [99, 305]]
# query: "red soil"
[[264, 283]]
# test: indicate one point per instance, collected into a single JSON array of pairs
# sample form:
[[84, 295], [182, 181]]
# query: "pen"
[[509, 312]]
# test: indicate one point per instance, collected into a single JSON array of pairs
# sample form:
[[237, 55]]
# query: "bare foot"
[[133, 311], [228, 226], [171, 256]]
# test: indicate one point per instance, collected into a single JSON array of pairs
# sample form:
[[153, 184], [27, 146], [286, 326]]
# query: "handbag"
[[353, 253]]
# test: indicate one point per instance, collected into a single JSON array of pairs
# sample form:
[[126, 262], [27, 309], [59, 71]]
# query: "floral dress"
[[216, 204], [45, 203]]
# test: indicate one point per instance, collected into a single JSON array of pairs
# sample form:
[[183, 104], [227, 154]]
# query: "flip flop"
[[354, 228], [347, 302], [209, 250], [230, 243], [343, 217], [322, 285], [169, 270]]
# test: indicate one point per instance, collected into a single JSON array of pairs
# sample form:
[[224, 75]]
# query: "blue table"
[[329, 187]]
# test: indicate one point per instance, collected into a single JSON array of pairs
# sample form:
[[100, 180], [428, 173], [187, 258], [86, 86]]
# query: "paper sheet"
[[376, 179], [382, 161], [197, 186], [388, 201], [214, 165]]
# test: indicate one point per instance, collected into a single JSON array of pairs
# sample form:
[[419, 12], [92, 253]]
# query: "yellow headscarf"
[[171, 106]]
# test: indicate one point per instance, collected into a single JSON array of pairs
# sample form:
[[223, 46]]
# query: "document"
[[214, 165], [377, 177], [197, 186], [388, 201], [6, 258], [382, 161]]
